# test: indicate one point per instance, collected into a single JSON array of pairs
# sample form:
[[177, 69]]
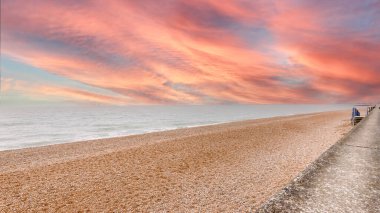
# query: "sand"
[[229, 167]]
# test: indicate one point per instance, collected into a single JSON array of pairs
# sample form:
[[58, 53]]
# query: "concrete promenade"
[[346, 178]]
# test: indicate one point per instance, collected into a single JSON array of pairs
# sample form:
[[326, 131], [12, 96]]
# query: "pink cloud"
[[198, 51], [47, 92]]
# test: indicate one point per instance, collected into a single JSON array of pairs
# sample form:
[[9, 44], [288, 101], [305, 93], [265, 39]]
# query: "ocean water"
[[22, 127]]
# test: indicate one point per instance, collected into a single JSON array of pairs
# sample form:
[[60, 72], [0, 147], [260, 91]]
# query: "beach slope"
[[227, 167]]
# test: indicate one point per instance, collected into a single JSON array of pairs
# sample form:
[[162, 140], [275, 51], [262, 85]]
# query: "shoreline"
[[222, 167], [165, 130]]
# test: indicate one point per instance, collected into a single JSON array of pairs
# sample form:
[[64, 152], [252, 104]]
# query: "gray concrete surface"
[[346, 178]]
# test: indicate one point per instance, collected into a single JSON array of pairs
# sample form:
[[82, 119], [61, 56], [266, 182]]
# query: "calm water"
[[36, 126]]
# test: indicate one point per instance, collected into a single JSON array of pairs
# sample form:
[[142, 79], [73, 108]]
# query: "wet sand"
[[228, 167]]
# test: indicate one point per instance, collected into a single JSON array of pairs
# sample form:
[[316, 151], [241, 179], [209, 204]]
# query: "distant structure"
[[356, 117]]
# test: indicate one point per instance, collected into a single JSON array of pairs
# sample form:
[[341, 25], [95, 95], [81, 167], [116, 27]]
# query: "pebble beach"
[[229, 167]]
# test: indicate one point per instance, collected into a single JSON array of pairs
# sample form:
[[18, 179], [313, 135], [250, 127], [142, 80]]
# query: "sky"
[[190, 52]]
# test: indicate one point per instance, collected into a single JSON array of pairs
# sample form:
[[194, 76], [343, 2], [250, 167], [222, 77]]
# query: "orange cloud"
[[46, 92], [198, 51]]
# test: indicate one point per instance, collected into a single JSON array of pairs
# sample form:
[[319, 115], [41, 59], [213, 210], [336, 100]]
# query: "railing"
[[356, 117]]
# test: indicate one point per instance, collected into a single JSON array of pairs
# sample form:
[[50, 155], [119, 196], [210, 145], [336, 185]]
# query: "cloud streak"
[[202, 51]]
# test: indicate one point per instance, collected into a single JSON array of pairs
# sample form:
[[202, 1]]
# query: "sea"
[[31, 126]]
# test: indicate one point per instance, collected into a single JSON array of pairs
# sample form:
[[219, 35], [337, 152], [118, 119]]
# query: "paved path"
[[344, 179]]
